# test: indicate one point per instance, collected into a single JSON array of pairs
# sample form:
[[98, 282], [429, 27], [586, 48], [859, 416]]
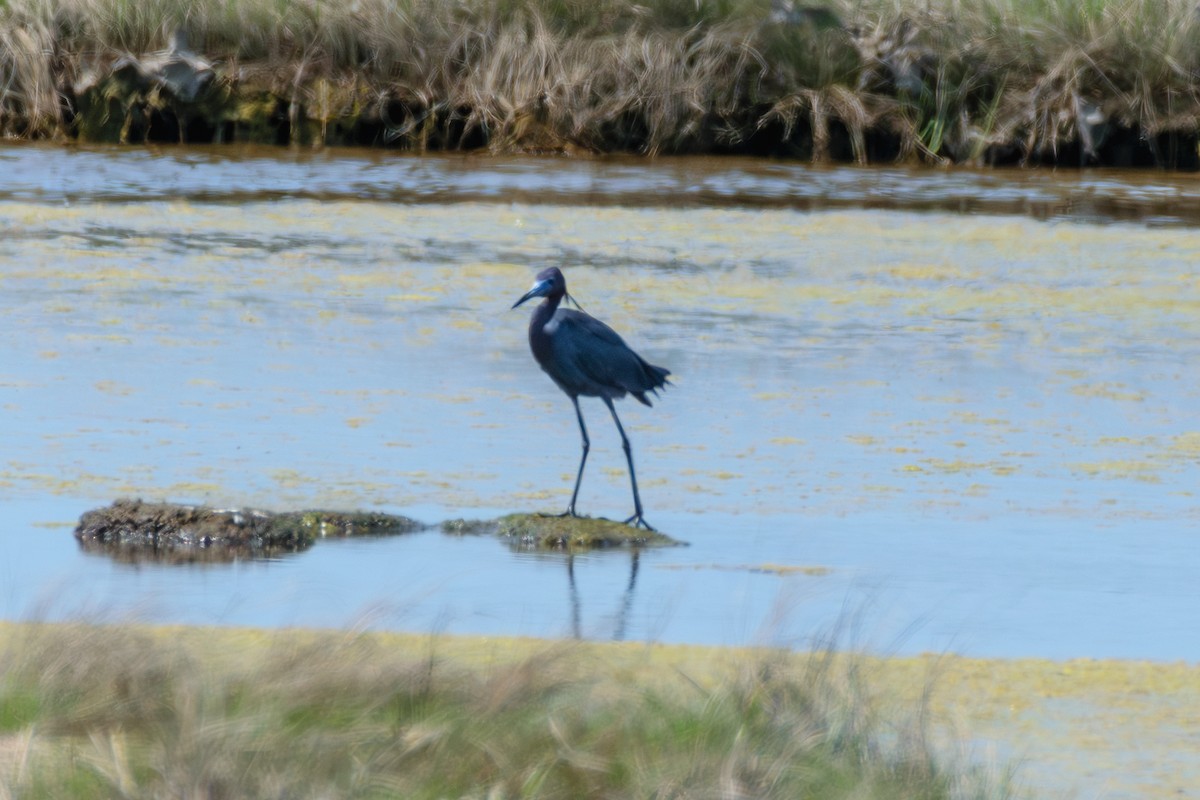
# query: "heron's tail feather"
[[654, 378]]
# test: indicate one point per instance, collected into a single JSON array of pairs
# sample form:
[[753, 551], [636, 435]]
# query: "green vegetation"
[[553, 532], [537, 532], [869, 80], [90, 711]]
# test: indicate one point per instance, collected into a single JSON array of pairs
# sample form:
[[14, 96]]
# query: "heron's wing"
[[583, 327], [594, 359]]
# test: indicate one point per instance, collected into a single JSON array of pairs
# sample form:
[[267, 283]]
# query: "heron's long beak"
[[539, 289]]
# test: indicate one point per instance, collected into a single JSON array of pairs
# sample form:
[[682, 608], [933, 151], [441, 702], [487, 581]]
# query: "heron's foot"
[[637, 522]]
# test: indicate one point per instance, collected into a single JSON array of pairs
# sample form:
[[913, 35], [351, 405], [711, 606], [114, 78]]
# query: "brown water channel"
[[943, 410]]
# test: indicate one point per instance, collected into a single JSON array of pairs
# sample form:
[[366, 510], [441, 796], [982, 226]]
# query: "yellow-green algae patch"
[[1137, 469], [577, 533], [1186, 445]]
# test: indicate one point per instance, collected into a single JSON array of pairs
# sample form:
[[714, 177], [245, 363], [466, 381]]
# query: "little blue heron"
[[586, 357]]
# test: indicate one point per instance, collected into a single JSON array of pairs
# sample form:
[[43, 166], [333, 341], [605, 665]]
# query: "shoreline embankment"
[[991, 82]]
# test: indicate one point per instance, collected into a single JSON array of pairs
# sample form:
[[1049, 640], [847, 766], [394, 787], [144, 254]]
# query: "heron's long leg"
[[582, 461], [636, 520]]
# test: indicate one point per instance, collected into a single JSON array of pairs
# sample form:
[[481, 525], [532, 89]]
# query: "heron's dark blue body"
[[587, 358]]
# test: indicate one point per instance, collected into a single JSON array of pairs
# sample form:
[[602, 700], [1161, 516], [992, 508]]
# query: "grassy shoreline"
[[151, 712], [1113, 82]]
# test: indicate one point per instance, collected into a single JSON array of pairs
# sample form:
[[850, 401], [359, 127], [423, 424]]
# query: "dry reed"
[[987, 80]]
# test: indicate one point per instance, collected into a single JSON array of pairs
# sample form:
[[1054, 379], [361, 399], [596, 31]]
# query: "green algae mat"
[[539, 532]]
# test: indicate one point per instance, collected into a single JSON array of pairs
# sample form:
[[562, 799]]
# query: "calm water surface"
[[967, 403]]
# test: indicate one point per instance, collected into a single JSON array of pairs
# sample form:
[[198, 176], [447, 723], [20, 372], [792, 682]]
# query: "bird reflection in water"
[[621, 624]]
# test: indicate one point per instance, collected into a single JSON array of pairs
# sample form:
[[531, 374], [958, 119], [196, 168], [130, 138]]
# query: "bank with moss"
[[987, 82]]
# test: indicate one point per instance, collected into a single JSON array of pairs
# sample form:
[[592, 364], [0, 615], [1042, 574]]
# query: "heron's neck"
[[539, 339], [547, 307]]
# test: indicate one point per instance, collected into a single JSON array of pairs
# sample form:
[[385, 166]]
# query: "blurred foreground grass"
[[98, 711]]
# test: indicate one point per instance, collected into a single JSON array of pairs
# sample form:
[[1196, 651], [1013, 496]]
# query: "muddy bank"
[[1050, 83]]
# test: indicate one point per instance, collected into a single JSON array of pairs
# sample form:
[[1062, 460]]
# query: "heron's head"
[[549, 283]]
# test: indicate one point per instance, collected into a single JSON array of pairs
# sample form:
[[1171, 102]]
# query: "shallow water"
[[979, 430]]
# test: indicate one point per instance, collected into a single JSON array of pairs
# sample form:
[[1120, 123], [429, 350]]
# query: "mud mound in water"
[[132, 530], [531, 531], [135, 531]]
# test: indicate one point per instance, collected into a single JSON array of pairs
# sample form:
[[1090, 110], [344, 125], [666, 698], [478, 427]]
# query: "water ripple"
[[240, 175]]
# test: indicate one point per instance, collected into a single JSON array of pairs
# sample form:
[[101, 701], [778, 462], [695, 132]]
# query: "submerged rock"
[[180, 72], [153, 96], [537, 532], [132, 530]]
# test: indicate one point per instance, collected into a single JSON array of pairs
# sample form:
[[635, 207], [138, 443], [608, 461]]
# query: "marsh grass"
[[949, 80], [91, 711]]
